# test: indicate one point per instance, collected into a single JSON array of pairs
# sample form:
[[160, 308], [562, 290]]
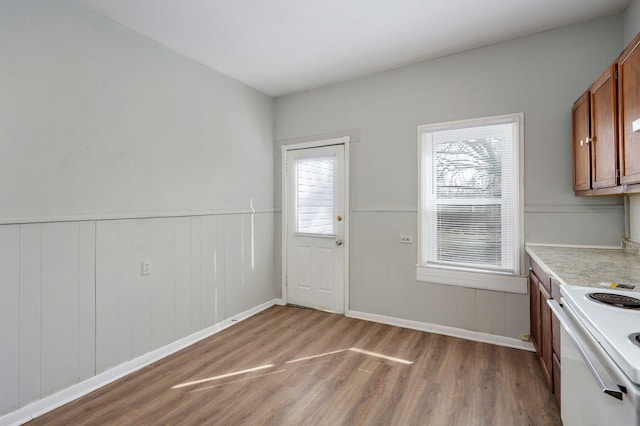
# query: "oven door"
[[594, 390]]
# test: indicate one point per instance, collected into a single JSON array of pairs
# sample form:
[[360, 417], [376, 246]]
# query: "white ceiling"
[[284, 46]]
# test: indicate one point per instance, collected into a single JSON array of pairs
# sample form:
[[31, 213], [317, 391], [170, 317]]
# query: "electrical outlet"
[[406, 239], [146, 267]]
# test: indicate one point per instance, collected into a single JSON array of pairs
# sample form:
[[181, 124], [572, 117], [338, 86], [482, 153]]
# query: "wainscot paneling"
[[61, 348], [9, 316], [30, 305], [47, 312], [383, 270], [383, 281], [75, 303]]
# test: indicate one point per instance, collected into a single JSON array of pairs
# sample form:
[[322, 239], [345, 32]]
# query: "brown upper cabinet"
[[606, 150], [629, 105], [581, 138], [595, 135], [604, 130]]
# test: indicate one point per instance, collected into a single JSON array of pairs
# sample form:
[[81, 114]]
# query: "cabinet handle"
[[587, 140], [581, 142]]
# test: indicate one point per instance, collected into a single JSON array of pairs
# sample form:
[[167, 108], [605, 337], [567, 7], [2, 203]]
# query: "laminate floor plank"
[[294, 366]]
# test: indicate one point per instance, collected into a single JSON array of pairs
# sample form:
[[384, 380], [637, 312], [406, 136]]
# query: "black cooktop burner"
[[617, 300]]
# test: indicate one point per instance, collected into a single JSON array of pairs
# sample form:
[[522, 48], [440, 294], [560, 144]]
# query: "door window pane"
[[315, 195]]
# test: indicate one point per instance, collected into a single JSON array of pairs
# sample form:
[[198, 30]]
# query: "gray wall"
[[99, 122], [540, 75], [631, 21]]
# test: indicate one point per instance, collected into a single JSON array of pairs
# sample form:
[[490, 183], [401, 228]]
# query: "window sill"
[[480, 280]]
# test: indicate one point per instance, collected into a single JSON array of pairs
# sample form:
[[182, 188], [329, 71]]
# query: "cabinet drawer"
[[555, 289], [543, 277]]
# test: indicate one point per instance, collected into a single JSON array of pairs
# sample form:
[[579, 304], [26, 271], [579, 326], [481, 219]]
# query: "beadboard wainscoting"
[[75, 302], [383, 281], [383, 275]]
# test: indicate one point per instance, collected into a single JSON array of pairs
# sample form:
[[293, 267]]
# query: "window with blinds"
[[315, 195], [469, 213]]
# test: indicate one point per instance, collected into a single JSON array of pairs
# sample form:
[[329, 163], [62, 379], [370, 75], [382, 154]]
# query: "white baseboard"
[[51, 402], [443, 329]]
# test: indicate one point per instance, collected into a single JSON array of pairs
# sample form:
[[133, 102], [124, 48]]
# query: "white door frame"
[[345, 140]]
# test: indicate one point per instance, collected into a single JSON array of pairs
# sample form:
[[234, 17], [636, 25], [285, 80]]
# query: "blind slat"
[[315, 195]]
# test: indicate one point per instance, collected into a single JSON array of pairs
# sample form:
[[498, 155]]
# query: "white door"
[[315, 227]]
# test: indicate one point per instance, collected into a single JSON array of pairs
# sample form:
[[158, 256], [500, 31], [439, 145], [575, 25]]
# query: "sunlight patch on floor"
[[307, 358], [222, 376]]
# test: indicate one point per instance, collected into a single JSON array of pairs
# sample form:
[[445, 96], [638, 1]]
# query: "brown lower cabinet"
[[543, 325]]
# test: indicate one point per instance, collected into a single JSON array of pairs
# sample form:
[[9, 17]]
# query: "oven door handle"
[[603, 379]]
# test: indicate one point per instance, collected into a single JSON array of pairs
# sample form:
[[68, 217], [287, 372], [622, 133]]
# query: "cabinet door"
[[557, 390], [629, 111], [581, 153], [546, 338], [604, 132], [534, 310]]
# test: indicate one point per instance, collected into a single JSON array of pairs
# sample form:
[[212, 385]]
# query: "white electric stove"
[[600, 356], [615, 327]]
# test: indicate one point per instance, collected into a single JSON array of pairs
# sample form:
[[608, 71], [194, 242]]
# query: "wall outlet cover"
[[406, 239], [146, 267]]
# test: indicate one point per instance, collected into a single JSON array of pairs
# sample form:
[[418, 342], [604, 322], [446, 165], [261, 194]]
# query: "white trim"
[[480, 280], [51, 402], [317, 144], [512, 284], [520, 171], [343, 140], [285, 224], [347, 229], [353, 134], [125, 216], [428, 327], [610, 208], [385, 209]]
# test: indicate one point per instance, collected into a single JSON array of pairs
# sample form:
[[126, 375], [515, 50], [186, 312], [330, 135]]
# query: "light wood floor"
[[293, 366]]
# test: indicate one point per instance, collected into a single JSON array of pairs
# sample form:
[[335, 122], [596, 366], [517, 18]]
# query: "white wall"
[[97, 123], [541, 75]]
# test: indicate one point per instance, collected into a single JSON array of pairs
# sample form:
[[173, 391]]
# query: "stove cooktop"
[[619, 300], [611, 325]]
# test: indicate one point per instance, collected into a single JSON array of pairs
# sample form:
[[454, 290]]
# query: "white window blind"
[[470, 195], [315, 195]]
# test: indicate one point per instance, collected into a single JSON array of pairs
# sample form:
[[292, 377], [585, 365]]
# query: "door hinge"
[[616, 75]]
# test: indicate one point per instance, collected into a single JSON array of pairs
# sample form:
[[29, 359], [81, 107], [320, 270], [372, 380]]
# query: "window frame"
[[458, 275]]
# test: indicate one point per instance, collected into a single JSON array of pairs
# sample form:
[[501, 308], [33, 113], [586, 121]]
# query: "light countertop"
[[587, 266]]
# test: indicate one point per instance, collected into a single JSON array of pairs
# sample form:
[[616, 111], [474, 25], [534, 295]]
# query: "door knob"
[[339, 218], [338, 242]]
